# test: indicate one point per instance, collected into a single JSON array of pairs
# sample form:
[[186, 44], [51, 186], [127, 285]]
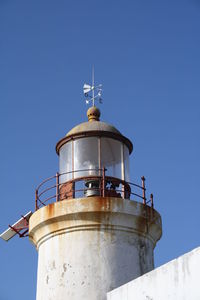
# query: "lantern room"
[[90, 148]]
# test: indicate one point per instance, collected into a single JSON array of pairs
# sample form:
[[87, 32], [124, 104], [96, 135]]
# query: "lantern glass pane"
[[126, 164], [86, 158], [65, 162], [112, 157]]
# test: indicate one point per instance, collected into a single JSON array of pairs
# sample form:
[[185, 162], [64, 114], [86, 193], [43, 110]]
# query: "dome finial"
[[93, 114]]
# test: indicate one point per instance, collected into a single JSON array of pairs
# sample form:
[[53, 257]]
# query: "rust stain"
[[103, 204], [142, 223], [50, 210]]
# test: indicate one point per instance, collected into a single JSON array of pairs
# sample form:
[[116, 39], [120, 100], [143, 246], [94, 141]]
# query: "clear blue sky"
[[146, 55]]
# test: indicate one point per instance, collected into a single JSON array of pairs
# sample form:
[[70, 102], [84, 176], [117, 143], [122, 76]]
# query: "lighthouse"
[[93, 229]]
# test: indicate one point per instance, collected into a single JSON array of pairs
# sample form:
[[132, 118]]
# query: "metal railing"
[[58, 188]]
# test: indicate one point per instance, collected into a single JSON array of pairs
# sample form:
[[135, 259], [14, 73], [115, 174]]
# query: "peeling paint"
[[65, 267]]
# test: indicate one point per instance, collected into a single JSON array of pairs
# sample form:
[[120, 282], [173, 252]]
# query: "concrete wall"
[[177, 280]]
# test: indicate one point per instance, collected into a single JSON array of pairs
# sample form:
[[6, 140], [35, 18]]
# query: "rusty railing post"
[[36, 199], [57, 187], [143, 190], [151, 198], [103, 182]]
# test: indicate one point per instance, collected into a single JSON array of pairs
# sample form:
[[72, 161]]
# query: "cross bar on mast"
[[87, 89]]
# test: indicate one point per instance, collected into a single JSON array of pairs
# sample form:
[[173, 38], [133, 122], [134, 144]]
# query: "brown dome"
[[94, 127]]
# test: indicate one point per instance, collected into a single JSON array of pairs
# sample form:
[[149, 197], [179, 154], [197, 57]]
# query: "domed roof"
[[93, 126]]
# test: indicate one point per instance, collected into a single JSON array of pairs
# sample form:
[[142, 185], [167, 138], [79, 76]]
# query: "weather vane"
[[92, 88]]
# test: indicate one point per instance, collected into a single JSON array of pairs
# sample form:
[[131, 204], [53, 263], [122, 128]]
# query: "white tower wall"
[[89, 246]]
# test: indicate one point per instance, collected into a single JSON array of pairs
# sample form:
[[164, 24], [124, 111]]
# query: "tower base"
[[89, 246]]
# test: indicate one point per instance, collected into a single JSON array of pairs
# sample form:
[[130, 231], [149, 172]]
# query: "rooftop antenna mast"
[[93, 85], [90, 89]]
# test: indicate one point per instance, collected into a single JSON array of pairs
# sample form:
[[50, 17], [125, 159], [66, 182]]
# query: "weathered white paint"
[[90, 246], [177, 280]]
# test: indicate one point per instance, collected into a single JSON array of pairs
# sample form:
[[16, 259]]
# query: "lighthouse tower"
[[96, 230]]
